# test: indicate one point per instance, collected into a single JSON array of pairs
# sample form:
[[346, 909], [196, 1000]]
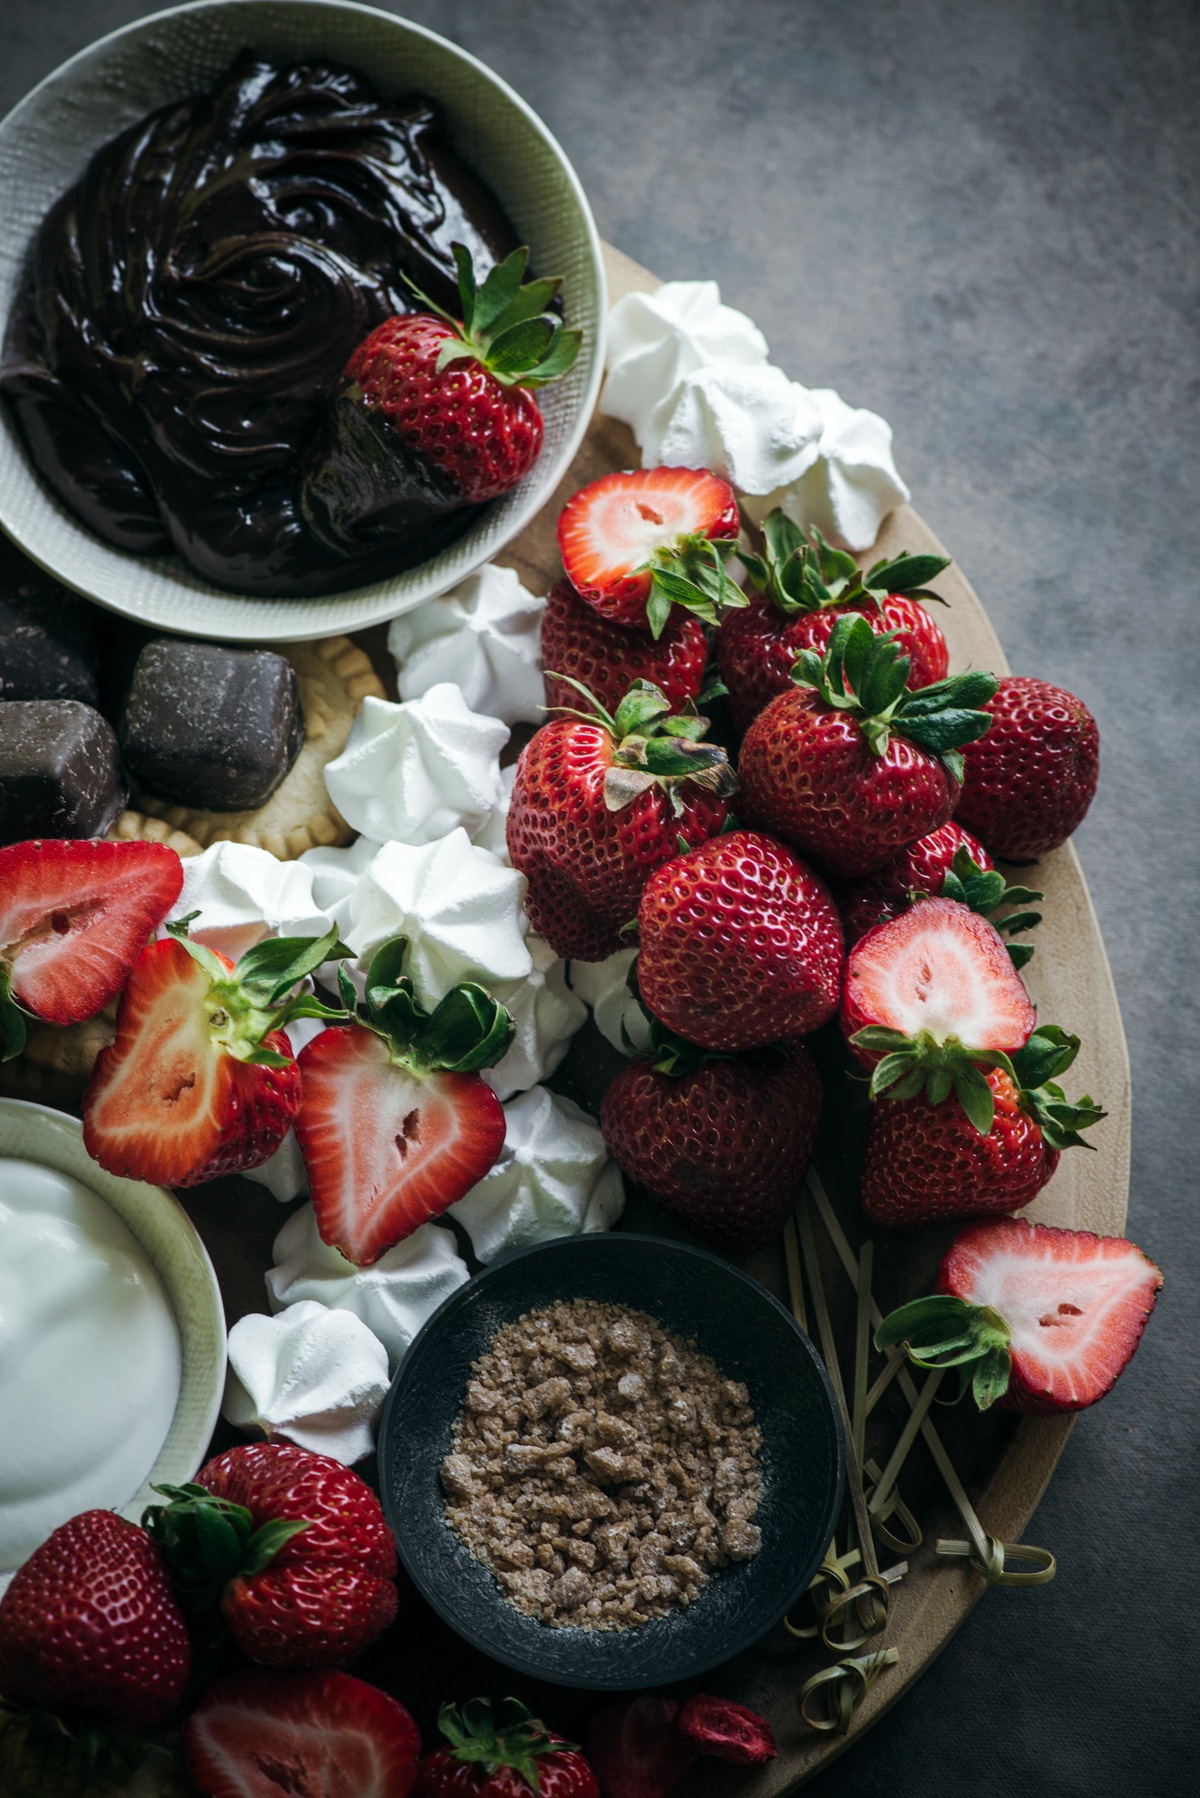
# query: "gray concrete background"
[[980, 219]]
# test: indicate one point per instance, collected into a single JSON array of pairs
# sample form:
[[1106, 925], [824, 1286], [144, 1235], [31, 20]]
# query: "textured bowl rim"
[[530, 1667], [201, 1323], [257, 618]]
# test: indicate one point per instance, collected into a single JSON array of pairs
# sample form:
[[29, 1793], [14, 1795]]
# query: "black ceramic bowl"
[[748, 1334]]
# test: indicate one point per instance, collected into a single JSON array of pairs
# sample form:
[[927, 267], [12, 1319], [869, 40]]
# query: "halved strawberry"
[[635, 544], [258, 1734], [395, 1123], [1036, 1318], [201, 1080], [73, 917]]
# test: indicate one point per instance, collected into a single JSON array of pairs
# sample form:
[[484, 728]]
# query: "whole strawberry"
[[434, 413], [804, 587], [740, 944], [600, 800], [290, 1548], [1034, 1318], [635, 544], [724, 1142], [607, 658], [935, 1155], [509, 1760], [201, 1080], [1029, 781], [851, 766], [921, 868], [90, 1628]]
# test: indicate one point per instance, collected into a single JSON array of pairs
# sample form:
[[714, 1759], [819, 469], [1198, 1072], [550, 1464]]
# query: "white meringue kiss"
[[244, 894], [393, 1298], [485, 635], [604, 986], [493, 833], [314, 1376], [553, 1178], [691, 378], [545, 1013], [459, 907], [409, 773]]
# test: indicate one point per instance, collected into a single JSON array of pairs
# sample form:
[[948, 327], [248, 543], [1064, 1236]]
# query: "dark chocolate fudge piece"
[[209, 726], [47, 642], [59, 771]]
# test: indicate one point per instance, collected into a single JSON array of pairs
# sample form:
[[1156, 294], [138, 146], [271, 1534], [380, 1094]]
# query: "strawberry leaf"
[[499, 289], [944, 1331], [273, 967], [975, 1096]]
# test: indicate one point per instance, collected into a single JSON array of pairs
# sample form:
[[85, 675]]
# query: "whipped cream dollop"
[[485, 635], [313, 1376], [89, 1357], [604, 985], [553, 1178], [457, 904], [393, 1298], [545, 1014], [692, 379], [412, 772], [244, 894]]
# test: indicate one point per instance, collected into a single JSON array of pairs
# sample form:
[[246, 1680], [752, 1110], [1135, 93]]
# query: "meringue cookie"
[[409, 773], [459, 907], [393, 1298], [336, 872], [553, 1178], [604, 986], [244, 894], [485, 635], [314, 1376], [493, 832], [546, 1014], [691, 378]]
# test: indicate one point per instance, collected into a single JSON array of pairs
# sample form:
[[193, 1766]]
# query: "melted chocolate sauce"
[[191, 303]]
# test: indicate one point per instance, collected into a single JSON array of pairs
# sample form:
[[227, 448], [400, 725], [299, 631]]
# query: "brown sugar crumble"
[[602, 1468]]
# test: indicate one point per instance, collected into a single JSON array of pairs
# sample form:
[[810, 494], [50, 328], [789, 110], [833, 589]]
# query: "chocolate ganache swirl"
[[191, 302]]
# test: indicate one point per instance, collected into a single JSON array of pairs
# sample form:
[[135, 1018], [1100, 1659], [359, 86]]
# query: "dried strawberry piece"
[[727, 1731]]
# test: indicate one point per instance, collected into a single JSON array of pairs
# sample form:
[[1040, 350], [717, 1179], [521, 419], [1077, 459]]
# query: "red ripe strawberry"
[[258, 1734], [723, 1142], [636, 1749], [851, 767], [740, 944], [433, 414], [972, 1148], [598, 803], [90, 1628], [635, 544], [725, 1730], [1036, 1318], [607, 658], [290, 1547], [921, 868], [1029, 782], [73, 918], [510, 1761], [804, 588], [201, 1080], [396, 1124]]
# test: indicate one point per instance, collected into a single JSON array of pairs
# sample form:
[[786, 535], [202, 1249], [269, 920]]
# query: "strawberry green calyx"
[[986, 891], [691, 573], [207, 1541], [800, 573], [262, 993], [1048, 1053], [520, 1742], [506, 326], [467, 1030], [944, 1331], [654, 747], [864, 675]]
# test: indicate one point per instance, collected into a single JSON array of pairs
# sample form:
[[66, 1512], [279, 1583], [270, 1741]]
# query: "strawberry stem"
[[519, 1743], [800, 573], [506, 326]]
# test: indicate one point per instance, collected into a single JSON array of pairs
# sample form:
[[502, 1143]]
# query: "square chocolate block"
[[59, 771], [48, 644], [211, 727]]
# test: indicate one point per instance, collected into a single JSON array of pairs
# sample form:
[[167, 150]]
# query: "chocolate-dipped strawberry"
[[434, 414]]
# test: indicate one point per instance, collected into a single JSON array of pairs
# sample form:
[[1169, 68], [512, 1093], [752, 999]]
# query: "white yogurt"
[[89, 1357]]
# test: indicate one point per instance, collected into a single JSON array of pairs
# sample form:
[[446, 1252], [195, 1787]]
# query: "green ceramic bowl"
[[45, 144], [169, 1240]]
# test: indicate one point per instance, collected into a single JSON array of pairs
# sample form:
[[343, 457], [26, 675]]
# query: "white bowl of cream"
[[112, 1335]]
